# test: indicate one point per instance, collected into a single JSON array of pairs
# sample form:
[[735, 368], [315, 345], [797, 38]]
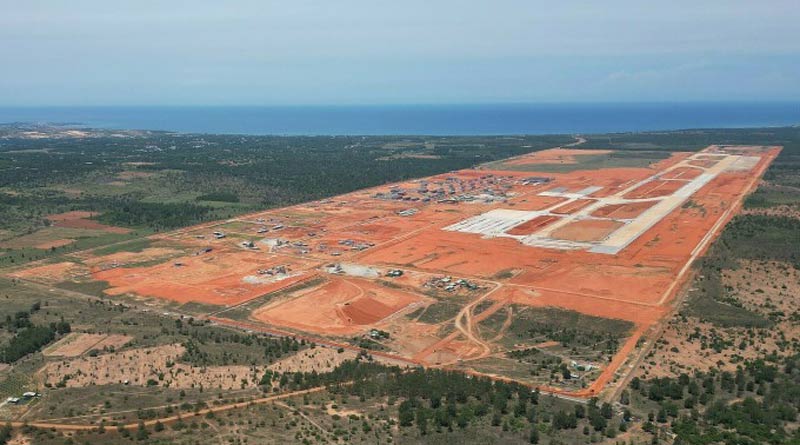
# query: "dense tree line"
[[219, 197], [430, 399], [259, 171], [570, 328], [5, 434], [30, 339], [758, 403], [272, 348], [155, 215]]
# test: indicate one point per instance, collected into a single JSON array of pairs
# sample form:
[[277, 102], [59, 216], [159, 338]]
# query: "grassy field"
[[437, 312], [572, 329], [615, 159]]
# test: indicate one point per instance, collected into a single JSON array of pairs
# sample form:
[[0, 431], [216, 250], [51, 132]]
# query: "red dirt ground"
[[54, 243], [682, 173], [574, 206], [705, 164], [342, 306], [80, 220], [587, 230], [535, 202], [533, 225], [555, 156], [67, 216], [52, 273], [218, 279], [623, 211], [638, 284], [655, 189]]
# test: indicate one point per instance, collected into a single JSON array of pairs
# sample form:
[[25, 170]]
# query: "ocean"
[[490, 119]]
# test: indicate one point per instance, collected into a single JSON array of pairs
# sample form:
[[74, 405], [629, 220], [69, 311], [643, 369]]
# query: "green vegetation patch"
[[760, 237], [771, 196], [48, 234], [94, 288], [136, 245], [216, 347], [437, 312], [706, 308], [13, 384], [160, 216], [570, 328], [756, 404], [755, 237], [615, 159], [219, 197]]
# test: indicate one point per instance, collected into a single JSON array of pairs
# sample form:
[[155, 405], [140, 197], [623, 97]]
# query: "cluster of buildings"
[[276, 270], [356, 245], [451, 284], [300, 247], [535, 180], [453, 189], [26, 396]]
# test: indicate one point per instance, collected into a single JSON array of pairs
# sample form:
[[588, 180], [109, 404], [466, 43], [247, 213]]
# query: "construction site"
[[556, 278]]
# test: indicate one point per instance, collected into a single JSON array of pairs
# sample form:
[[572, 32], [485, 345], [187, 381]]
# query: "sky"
[[144, 52]]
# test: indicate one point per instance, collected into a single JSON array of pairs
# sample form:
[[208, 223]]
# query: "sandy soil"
[[783, 210], [20, 439], [342, 306], [556, 156], [317, 359], [77, 343], [121, 258], [54, 243], [53, 273], [69, 216], [138, 366], [762, 287]]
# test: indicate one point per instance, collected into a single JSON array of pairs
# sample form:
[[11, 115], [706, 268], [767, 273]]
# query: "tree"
[[422, 421], [606, 411], [406, 413], [141, 432], [5, 433], [625, 397], [563, 420], [661, 417], [597, 421], [534, 437]]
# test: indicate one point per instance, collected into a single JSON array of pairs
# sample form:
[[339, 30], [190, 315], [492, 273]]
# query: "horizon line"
[[417, 104]]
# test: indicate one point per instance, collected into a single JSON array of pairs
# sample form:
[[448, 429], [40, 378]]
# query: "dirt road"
[[174, 418]]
